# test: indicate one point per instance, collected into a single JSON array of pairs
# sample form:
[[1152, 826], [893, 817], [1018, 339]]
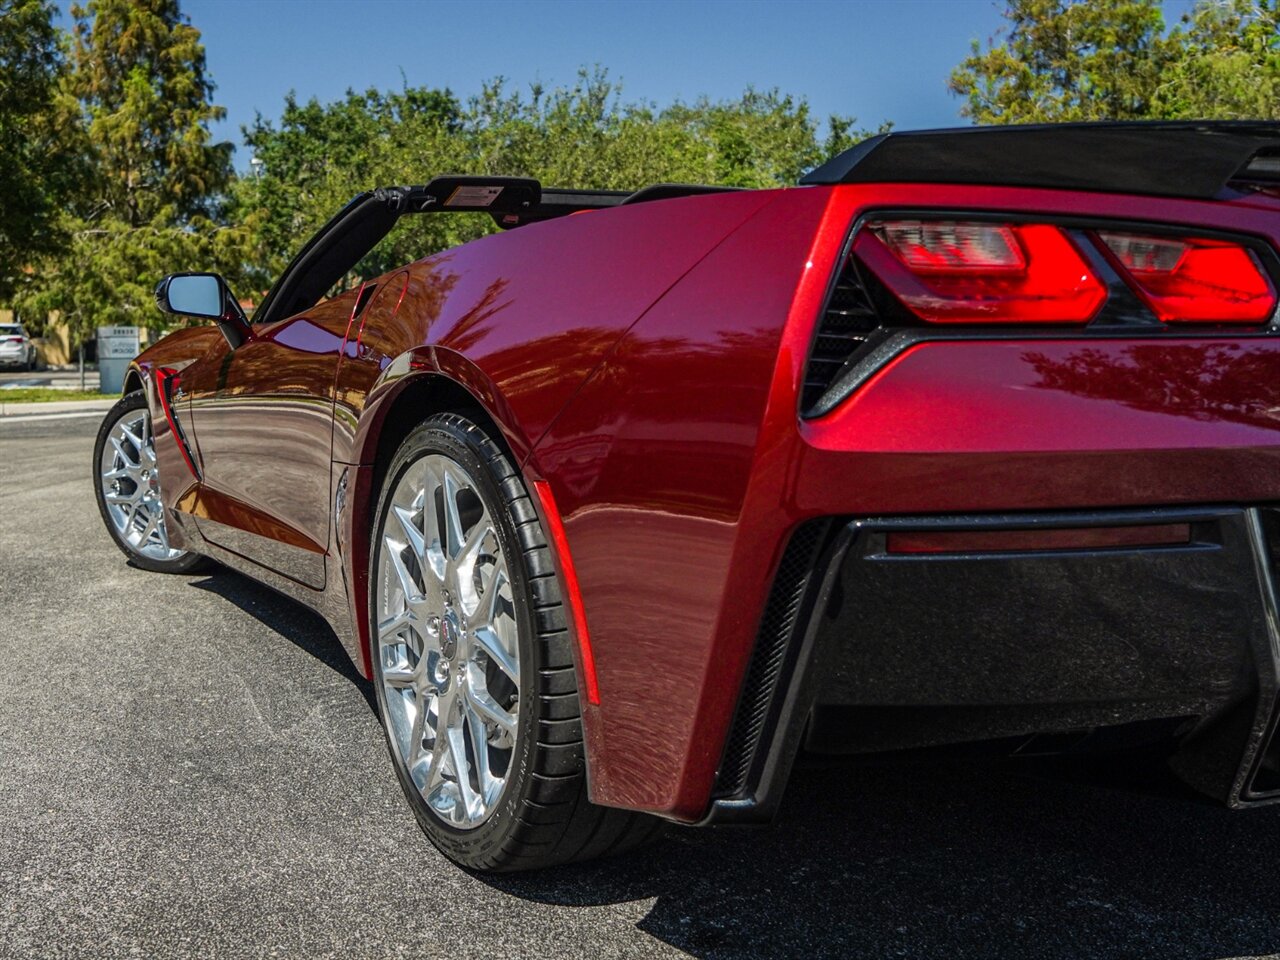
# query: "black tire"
[[186, 562], [543, 817]]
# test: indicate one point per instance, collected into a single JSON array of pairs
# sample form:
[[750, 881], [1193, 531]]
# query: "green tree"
[[138, 69], [156, 195], [1114, 60], [1060, 60], [319, 156], [584, 135], [39, 140], [1228, 63]]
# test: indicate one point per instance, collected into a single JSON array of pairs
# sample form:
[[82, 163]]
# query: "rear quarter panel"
[[655, 466], [521, 318]]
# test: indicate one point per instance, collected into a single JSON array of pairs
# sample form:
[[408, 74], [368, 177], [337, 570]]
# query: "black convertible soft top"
[[1193, 159]]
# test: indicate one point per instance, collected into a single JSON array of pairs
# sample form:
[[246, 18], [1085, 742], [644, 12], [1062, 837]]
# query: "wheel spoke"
[[411, 533], [392, 626], [478, 734], [470, 593], [471, 547], [458, 752], [162, 532], [402, 677], [435, 773], [130, 464], [497, 602], [452, 519], [492, 647], [407, 585], [436, 559], [486, 708], [153, 519], [415, 735], [133, 438]]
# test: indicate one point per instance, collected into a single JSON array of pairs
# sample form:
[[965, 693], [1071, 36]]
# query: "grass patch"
[[43, 394]]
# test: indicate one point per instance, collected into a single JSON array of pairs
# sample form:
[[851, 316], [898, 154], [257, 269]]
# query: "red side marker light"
[[1194, 280], [949, 271], [1026, 541], [573, 594]]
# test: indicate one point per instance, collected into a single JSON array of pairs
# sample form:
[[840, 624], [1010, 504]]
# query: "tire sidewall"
[[454, 437]]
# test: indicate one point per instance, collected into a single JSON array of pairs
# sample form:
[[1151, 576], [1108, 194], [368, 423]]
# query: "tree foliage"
[[39, 141], [584, 135], [1062, 60], [1228, 63], [138, 69], [153, 200]]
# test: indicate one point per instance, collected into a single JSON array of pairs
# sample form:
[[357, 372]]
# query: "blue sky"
[[875, 59]]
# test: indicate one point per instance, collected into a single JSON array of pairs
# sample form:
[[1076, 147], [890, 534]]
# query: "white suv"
[[16, 348]]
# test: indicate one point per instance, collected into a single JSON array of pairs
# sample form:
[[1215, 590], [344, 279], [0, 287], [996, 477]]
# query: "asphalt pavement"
[[189, 766]]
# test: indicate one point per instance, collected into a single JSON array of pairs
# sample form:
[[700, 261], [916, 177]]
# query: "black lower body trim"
[[1018, 642], [775, 638]]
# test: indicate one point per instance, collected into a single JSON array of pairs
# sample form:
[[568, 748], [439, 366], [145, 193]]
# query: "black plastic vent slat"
[[849, 319], [777, 627], [1264, 784]]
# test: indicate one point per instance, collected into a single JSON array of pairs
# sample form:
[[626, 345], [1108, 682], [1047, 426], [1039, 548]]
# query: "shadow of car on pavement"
[[1045, 859]]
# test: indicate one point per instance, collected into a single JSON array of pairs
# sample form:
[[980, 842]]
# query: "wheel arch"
[[132, 381], [419, 396], [423, 395]]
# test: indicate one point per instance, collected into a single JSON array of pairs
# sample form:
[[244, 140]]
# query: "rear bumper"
[[863, 648]]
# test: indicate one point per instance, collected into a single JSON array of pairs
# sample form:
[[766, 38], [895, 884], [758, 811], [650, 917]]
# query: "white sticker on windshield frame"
[[473, 196]]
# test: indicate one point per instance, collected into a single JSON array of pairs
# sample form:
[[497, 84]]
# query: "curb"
[[52, 407]]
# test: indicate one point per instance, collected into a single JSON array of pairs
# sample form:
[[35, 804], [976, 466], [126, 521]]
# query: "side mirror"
[[204, 295]]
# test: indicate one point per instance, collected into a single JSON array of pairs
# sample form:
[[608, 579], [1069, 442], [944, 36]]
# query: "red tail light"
[[1190, 280], [962, 272]]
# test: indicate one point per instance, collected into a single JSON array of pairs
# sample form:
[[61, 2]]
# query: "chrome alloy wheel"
[[447, 641], [131, 487]]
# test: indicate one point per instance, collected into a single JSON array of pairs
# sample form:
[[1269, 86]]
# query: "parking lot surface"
[[64, 379], [189, 766]]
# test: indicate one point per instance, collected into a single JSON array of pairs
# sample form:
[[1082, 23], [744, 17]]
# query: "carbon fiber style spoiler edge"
[[1193, 159]]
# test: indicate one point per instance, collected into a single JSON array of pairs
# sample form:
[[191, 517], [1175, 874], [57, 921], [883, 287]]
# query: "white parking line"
[[28, 417]]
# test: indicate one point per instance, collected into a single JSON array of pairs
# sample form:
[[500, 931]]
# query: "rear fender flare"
[[412, 377]]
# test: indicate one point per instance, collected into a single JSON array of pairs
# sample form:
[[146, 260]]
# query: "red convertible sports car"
[[974, 435]]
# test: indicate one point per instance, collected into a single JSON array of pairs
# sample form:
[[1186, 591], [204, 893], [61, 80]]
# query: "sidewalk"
[[50, 408]]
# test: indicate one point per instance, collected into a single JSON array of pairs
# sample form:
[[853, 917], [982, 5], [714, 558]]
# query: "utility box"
[[116, 347]]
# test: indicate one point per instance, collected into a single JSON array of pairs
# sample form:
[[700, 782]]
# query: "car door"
[[261, 402], [262, 419]]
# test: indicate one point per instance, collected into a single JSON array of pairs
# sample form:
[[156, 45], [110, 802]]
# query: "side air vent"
[[850, 318], [780, 623]]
